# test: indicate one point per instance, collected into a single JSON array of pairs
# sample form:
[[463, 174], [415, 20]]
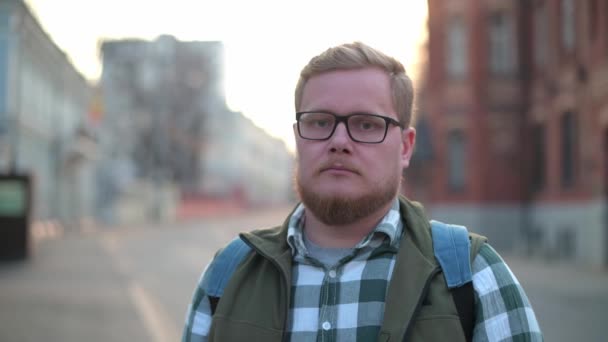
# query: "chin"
[[342, 208], [342, 192]]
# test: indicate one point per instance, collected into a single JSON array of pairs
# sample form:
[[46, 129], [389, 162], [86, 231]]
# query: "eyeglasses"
[[361, 127]]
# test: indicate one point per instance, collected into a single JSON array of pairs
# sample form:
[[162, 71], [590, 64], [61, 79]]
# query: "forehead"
[[347, 91]]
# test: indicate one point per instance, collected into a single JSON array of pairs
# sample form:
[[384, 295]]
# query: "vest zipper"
[[423, 295], [287, 287]]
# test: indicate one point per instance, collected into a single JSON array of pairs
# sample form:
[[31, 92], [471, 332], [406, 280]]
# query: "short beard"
[[341, 210]]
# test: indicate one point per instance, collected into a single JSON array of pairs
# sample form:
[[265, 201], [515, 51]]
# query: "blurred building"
[[516, 103], [44, 128], [166, 127], [239, 159]]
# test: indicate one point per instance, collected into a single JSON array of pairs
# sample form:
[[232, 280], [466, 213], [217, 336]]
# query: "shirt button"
[[326, 325], [332, 274]]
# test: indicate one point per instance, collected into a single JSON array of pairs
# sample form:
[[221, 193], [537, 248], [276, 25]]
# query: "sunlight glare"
[[266, 42]]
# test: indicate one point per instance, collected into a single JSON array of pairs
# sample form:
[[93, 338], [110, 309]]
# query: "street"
[[135, 284]]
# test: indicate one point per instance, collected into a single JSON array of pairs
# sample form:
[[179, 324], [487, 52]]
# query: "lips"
[[338, 167]]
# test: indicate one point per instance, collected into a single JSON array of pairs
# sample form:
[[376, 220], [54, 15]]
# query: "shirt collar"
[[390, 226]]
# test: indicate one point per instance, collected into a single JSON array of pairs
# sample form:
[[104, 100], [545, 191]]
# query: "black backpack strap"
[[464, 298], [213, 303], [452, 248]]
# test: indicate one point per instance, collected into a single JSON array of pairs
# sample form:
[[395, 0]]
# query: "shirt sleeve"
[[198, 317], [503, 311]]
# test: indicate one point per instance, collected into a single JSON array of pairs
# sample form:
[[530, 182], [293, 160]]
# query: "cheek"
[[387, 163], [308, 154], [305, 163]]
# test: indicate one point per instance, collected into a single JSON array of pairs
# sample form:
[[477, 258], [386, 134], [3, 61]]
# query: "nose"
[[340, 141]]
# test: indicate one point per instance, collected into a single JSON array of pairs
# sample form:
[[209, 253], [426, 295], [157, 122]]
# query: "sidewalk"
[[559, 276], [66, 291], [213, 213], [570, 301]]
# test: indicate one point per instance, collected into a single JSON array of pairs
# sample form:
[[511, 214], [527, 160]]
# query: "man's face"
[[341, 180]]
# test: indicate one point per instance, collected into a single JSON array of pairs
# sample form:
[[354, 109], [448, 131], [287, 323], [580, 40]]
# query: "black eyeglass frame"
[[344, 119]]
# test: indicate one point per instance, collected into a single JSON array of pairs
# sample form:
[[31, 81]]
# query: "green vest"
[[255, 304]]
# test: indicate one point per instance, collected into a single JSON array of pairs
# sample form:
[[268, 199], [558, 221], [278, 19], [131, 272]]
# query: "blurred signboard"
[[13, 196], [15, 200]]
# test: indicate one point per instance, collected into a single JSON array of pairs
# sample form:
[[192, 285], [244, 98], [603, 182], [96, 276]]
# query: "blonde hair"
[[356, 56]]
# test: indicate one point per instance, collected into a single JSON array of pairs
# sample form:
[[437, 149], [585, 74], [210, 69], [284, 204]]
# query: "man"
[[354, 261]]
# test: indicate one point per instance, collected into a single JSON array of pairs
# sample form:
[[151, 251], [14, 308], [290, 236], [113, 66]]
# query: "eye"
[[363, 123], [366, 125], [317, 120], [321, 123]]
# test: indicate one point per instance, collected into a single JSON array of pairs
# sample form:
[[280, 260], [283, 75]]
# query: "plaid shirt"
[[345, 302]]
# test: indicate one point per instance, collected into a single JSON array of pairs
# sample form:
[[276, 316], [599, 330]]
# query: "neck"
[[342, 236]]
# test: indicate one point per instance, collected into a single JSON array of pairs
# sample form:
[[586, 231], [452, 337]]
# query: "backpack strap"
[[221, 269], [452, 249], [464, 298]]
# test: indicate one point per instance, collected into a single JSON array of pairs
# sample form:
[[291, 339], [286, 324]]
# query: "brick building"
[[515, 103]]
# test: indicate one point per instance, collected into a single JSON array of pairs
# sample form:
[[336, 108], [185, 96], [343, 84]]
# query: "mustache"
[[338, 164]]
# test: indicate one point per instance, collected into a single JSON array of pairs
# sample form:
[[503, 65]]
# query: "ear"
[[408, 141], [295, 131], [296, 138]]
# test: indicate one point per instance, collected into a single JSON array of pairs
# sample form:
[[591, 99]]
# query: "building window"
[[540, 35], [568, 24], [502, 44], [456, 160], [539, 157], [593, 22], [457, 48], [569, 130]]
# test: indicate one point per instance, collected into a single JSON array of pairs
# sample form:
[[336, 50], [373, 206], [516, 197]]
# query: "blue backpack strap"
[[223, 265], [452, 249]]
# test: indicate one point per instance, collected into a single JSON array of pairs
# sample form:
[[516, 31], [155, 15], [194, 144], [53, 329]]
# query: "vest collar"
[[414, 270]]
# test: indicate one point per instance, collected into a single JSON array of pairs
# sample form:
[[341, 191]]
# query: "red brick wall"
[[496, 114]]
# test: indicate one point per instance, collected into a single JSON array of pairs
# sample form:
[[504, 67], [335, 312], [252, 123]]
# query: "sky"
[[266, 42]]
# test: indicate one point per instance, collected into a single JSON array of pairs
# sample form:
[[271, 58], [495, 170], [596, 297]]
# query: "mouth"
[[338, 168]]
